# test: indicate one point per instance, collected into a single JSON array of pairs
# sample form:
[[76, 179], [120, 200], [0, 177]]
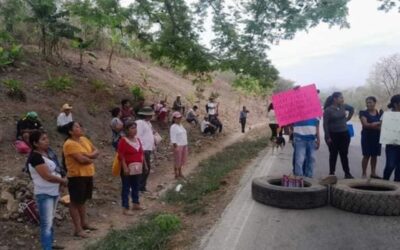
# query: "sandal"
[[82, 235], [89, 228]]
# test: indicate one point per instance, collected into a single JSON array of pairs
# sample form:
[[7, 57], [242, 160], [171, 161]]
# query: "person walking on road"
[[371, 125], [393, 151], [179, 141], [273, 125], [337, 136], [145, 133], [243, 118], [306, 141]]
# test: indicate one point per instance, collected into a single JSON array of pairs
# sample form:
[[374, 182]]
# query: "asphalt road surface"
[[249, 225]]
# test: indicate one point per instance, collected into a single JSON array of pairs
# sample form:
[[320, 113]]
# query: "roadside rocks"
[[15, 191]]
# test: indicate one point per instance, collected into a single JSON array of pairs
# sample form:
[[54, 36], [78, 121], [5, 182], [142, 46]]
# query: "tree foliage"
[[386, 74], [172, 30], [387, 5]]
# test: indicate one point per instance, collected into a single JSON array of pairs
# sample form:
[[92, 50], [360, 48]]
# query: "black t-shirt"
[[35, 159]]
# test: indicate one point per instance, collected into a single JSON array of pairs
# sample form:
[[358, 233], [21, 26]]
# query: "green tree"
[[11, 13], [52, 22]]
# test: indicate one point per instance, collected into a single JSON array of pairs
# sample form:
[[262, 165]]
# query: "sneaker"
[[348, 176]]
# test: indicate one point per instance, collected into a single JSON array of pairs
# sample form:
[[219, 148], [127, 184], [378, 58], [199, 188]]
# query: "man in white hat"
[[64, 118], [145, 133]]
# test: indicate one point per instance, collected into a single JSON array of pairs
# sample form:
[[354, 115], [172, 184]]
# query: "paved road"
[[248, 225]]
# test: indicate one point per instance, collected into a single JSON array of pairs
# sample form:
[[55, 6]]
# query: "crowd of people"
[[133, 139], [305, 136]]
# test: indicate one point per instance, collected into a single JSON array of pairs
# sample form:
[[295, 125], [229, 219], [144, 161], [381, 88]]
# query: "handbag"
[[135, 168], [116, 166], [350, 129]]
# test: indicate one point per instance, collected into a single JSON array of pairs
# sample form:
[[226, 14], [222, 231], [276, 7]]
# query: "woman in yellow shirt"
[[79, 154]]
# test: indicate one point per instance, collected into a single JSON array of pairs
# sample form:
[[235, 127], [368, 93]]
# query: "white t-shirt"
[[145, 134], [212, 108], [272, 116], [178, 135], [63, 119], [40, 185]]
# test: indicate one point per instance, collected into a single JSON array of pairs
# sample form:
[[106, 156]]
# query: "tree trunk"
[[80, 59], [110, 59], [44, 41]]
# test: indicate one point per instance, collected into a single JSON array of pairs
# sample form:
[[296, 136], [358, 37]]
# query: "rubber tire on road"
[[287, 197], [386, 203]]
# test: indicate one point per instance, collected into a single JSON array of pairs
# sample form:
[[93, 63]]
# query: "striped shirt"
[[306, 130]]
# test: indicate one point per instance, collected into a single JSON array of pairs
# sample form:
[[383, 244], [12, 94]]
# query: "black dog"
[[280, 142]]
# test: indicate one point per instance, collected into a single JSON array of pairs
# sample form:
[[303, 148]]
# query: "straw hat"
[[147, 111], [66, 106]]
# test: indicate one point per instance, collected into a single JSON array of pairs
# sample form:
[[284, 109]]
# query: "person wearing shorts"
[[79, 154], [179, 141]]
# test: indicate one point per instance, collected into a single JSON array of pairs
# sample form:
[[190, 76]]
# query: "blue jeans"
[[130, 184], [392, 162], [304, 157], [47, 205]]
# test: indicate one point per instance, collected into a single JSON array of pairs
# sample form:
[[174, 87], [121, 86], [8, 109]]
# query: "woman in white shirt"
[[64, 118], [46, 179], [179, 141], [272, 122]]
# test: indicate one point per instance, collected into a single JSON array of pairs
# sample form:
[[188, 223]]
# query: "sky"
[[333, 57]]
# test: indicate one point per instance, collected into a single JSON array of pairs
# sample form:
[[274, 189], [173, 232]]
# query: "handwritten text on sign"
[[390, 130], [297, 105]]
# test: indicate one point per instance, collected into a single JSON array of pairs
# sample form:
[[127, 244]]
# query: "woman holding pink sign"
[[337, 136]]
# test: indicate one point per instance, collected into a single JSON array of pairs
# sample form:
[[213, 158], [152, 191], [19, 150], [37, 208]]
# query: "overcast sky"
[[334, 57], [340, 58]]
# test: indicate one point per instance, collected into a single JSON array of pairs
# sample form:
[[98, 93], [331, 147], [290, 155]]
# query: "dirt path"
[[107, 215]]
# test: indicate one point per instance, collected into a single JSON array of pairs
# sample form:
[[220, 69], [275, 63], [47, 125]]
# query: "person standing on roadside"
[[127, 111], [131, 155], [337, 136], [46, 177], [392, 150], [117, 126], [79, 154], [179, 142], [145, 133], [306, 141], [243, 118], [371, 125]]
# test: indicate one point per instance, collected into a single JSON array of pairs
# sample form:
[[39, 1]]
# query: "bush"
[[60, 83], [98, 84], [138, 93], [14, 89], [150, 234], [10, 51]]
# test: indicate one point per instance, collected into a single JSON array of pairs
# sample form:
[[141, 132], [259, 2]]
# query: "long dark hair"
[[270, 107], [115, 111], [330, 99], [34, 137]]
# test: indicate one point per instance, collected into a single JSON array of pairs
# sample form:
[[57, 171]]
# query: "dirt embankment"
[[90, 107]]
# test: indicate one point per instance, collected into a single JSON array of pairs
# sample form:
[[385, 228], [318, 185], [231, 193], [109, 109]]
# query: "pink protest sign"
[[297, 105]]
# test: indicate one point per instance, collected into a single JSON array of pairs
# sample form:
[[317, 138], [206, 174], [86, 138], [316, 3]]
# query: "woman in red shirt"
[[130, 153]]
